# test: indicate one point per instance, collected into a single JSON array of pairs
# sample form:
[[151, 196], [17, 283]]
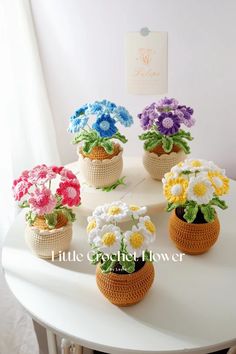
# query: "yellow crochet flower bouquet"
[[124, 269], [193, 189]]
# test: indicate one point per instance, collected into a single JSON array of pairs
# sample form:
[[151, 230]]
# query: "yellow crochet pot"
[[193, 238], [126, 289]]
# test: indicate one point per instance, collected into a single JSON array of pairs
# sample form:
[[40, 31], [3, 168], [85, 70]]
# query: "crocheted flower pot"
[[157, 165], [125, 289], [193, 238], [45, 242], [99, 168]]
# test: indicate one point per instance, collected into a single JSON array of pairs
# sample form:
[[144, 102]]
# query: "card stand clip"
[[144, 31]]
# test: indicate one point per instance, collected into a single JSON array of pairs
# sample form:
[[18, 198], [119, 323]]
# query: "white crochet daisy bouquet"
[[120, 235], [194, 188], [103, 130]]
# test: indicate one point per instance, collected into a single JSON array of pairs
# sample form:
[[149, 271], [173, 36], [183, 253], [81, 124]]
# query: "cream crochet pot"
[[158, 165], [101, 173], [48, 243]]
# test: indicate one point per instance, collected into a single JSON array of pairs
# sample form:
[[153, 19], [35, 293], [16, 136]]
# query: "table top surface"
[[190, 307], [139, 187]]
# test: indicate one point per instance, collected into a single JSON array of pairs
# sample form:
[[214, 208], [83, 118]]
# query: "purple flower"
[[185, 115], [168, 123], [167, 104], [148, 116]]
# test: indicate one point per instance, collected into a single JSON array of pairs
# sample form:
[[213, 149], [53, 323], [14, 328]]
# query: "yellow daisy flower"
[[175, 190], [219, 182]]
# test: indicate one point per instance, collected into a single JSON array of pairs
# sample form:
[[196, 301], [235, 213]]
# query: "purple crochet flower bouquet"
[[162, 122]]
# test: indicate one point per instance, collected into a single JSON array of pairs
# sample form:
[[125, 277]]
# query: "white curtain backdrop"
[[27, 138]]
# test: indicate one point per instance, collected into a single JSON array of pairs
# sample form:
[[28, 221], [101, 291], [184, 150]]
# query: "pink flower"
[[41, 174], [57, 169], [20, 188], [42, 201], [65, 173], [69, 190]]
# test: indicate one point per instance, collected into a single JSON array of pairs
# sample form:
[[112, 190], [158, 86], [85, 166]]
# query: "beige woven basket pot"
[[125, 289], [48, 243], [193, 238], [157, 165], [101, 173]]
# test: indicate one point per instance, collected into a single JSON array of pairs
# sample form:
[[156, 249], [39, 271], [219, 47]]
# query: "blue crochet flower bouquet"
[[95, 127], [104, 128]]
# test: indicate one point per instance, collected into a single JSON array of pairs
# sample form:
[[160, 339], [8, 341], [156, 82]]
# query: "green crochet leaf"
[[183, 134], [25, 204], [95, 258], [51, 220], [181, 143], [127, 265], [190, 212], [208, 212], [108, 146], [30, 217], [167, 143], [218, 202], [120, 137], [152, 143], [89, 145], [107, 266], [171, 206], [68, 214], [146, 135], [115, 185]]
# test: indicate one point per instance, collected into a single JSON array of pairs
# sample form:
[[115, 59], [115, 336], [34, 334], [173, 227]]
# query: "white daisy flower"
[[194, 165], [98, 211], [136, 210], [146, 224], [107, 239], [200, 189], [93, 223], [136, 241], [115, 211]]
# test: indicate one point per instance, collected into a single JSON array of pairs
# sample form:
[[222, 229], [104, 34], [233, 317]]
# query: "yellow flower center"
[[196, 163], [180, 164], [150, 226], [134, 207], [200, 189], [114, 210], [136, 240], [91, 225], [108, 239]]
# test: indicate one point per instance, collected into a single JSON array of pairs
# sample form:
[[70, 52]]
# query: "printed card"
[[146, 63]]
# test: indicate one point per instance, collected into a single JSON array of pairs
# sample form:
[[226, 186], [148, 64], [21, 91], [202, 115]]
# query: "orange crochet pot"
[[125, 289], [193, 238], [99, 153], [40, 222]]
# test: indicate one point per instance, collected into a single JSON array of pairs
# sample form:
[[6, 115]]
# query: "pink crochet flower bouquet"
[[49, 192]]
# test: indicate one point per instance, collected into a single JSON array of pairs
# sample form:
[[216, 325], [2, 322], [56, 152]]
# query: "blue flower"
[[77, 123], [82, 110], [123, 116], [100, 107], [105, 126]]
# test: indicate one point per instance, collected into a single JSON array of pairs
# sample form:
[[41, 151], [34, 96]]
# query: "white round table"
[[190, 308]]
